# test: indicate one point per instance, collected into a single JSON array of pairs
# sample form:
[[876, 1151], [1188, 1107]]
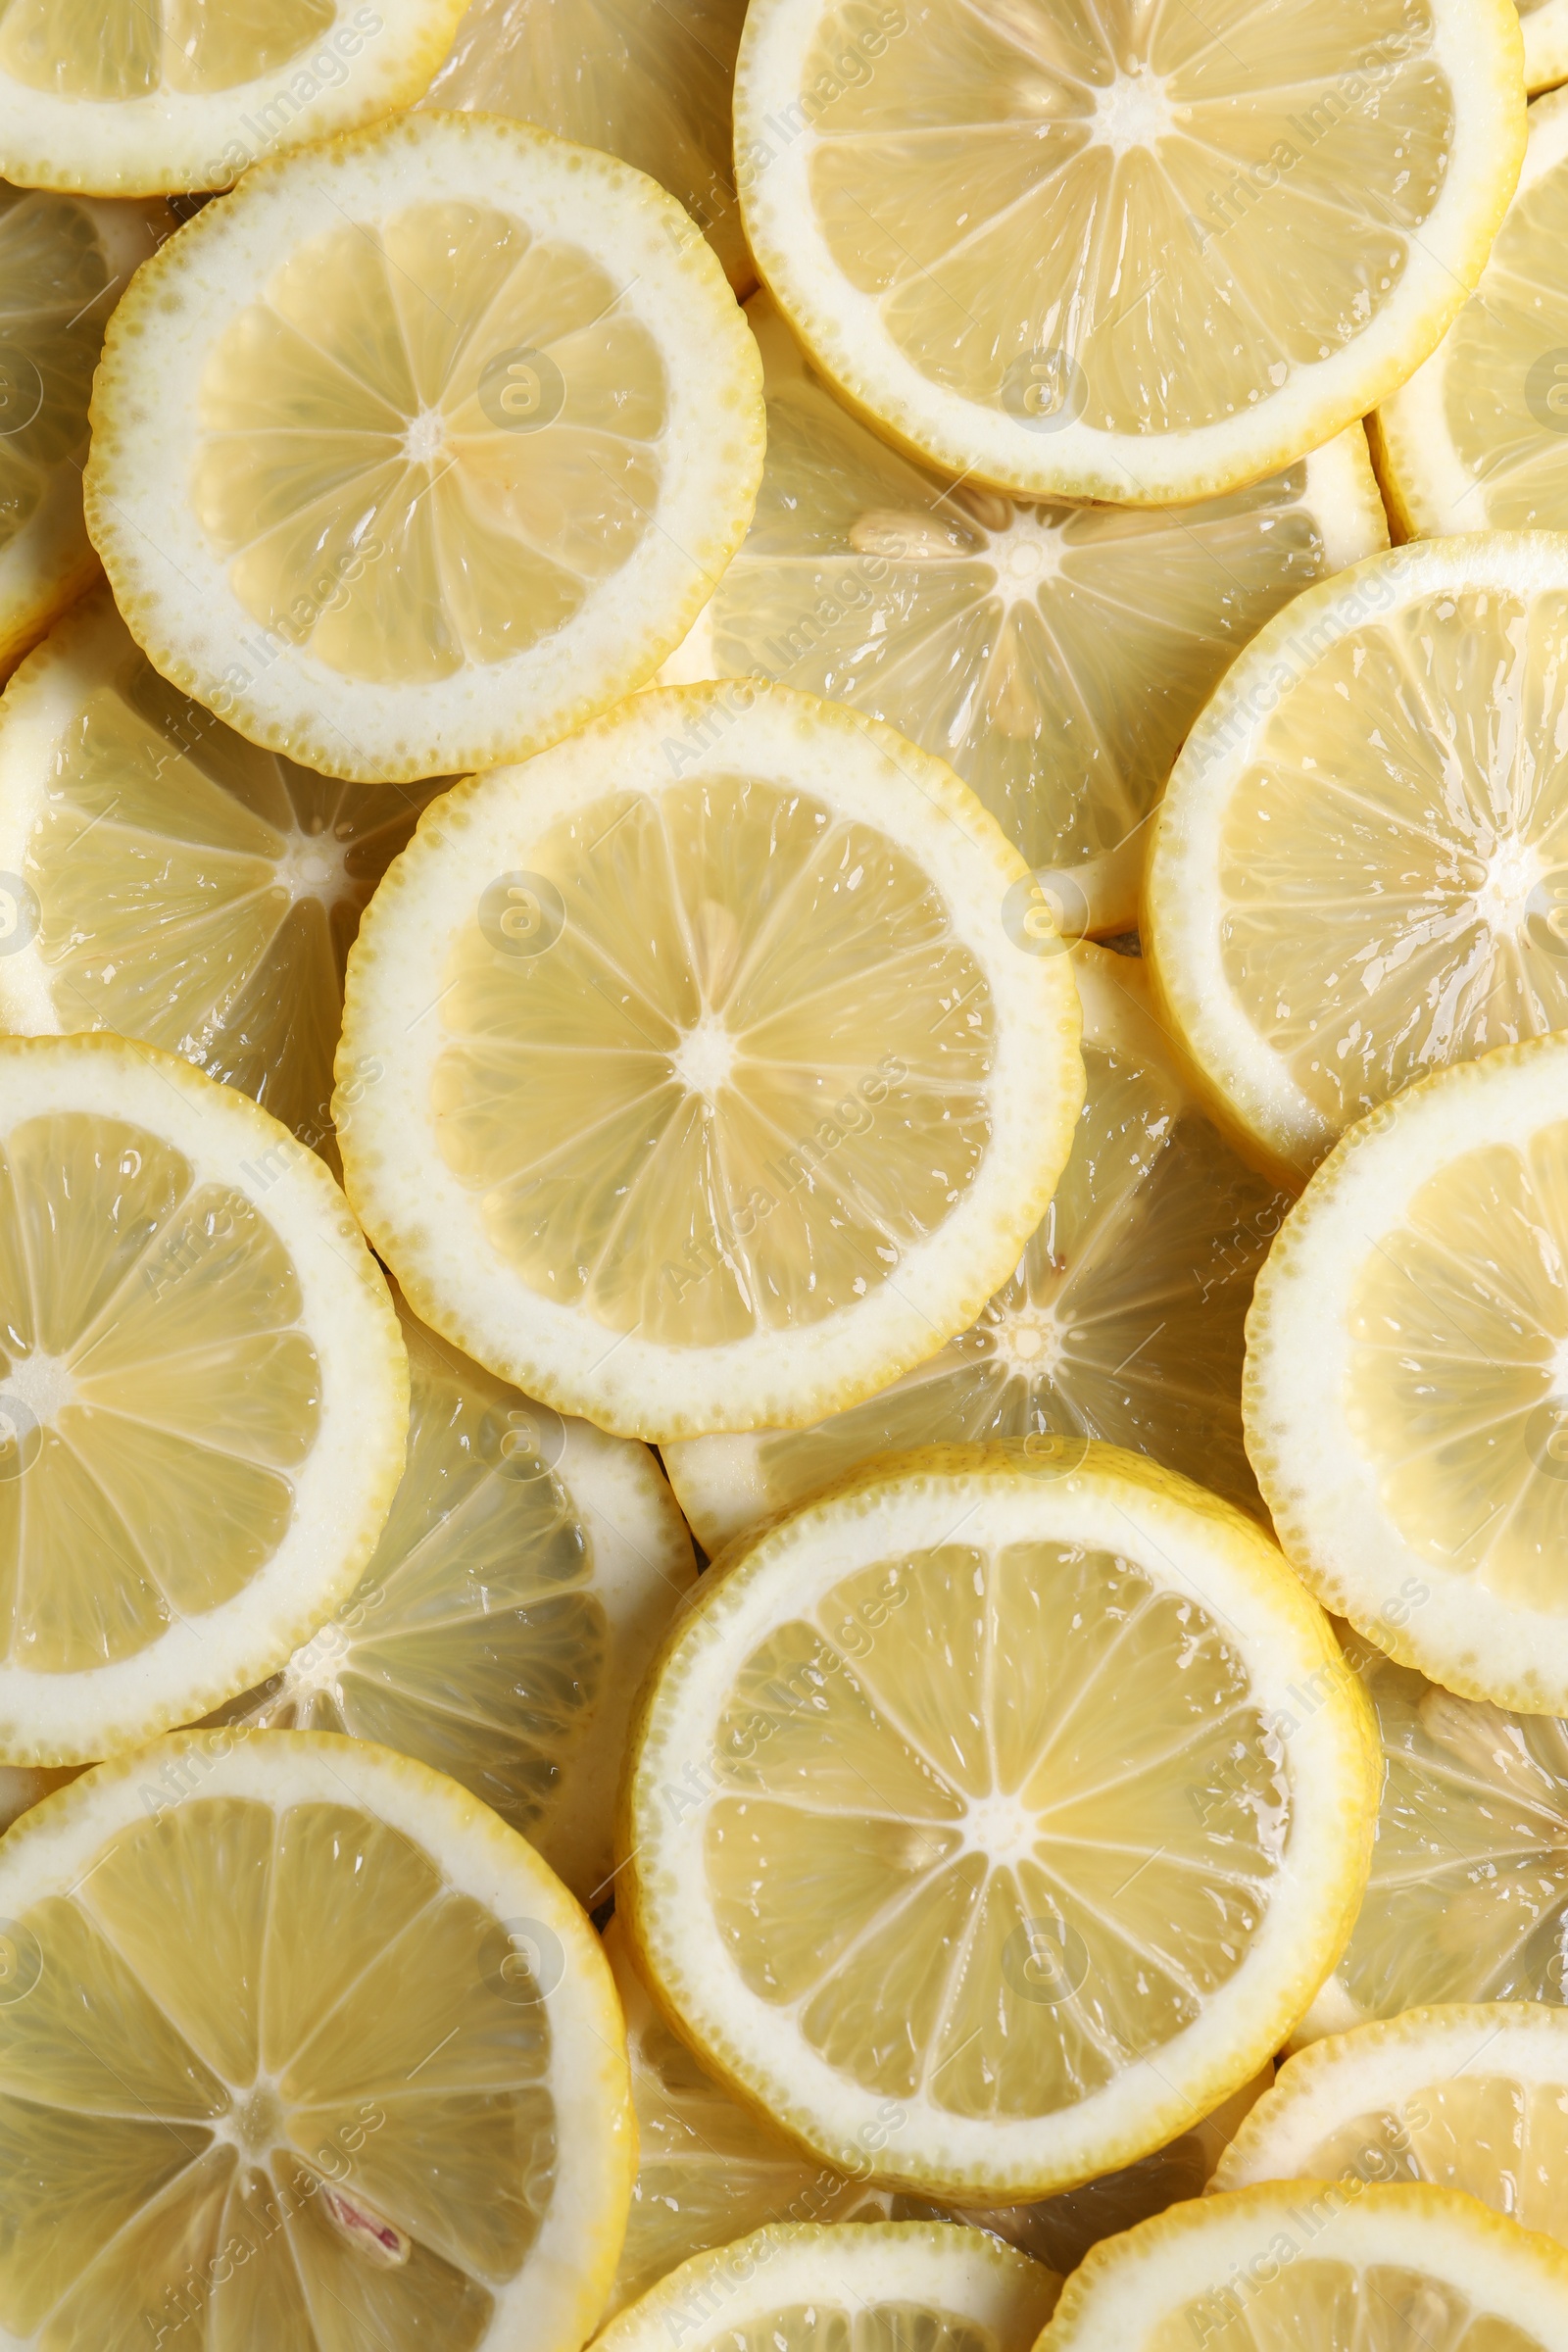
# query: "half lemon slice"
[[722, 1080], [1122, 1319], [1478, 439], [966, 1808], [1056, 655], [1319, 2266], [1139, 256], [136, 96], [1407, 1386], [172, 882], [423, 446], [527, 1570], [1471, 2098], [300, 2046], [1360, 867], [203, 1395]]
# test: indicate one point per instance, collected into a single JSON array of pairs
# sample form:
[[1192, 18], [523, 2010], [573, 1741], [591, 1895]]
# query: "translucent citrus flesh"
[[1498, 2139], [1508, 413], [1055, 657], [1039, 182], [1468, 1896], [238, 2007], [202, 894], [157, 1390], [1457, 1376], [1124, 1320], [650, 84], [1016, 1747], [1315, 2305], [427, 440], [747, 1075], [474, 1640], [708, 2170], [55, 300], [119, 49], [1393, 862]]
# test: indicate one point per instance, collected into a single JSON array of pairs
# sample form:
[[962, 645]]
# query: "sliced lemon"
[[709, 2169], [652, 84], [1055, 656], [525, 1575], [717, 1089], [203, 1396], [300, 2045], [1136, 255], [1320, 2266], [1473, 2097], [897, 2282], [1468, 1896], [167, 880], [1405, 1395], [1122, 1320], [423, 446], [964, 1812], [1478, 439], [1545, 26], [63, 263], [1360, 869], [126, 98]]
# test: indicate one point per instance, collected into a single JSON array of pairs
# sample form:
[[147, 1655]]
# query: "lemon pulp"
[[119, 49]]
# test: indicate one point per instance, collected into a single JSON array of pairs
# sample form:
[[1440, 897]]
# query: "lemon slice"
[[527, 1569], [300, 2046], [203, 1396], [708, 2170], [1405, 1395], [1135, 256], [1472, 2097], [716, 1090], [424, 446], [165, 879], [1122, 1320], [897, 2282], [650, 84], [129, 97], [1320, 2266], [965, 1808], [1478, 439], [63, 263], [1055, 656], [1545, 26], [1360, 869], [1468, 1896]]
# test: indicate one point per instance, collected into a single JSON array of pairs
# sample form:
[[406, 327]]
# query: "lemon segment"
[[1141, 257], [424, 447], [1473, 2098], [650, 84], [177, 884], [63, 263], [1319, 2265], [1404, 1396], [1357, 871], [301, 2046], [203, 1396], [526, 1574], [1545, 26], [894, 2282], [717, 1089], [1467, 1900], [126, 99], [1122, 1319], [1055, 656], [966, 1806], [1478, 439]]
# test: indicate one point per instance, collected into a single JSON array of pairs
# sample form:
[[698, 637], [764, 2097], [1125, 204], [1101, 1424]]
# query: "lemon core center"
[[705, 1056], [40, 1382], [1002, 1828], [426, 437], [1134, 112], [256, 2119], [312, 866], [1514, 873], [1031, 1341]]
